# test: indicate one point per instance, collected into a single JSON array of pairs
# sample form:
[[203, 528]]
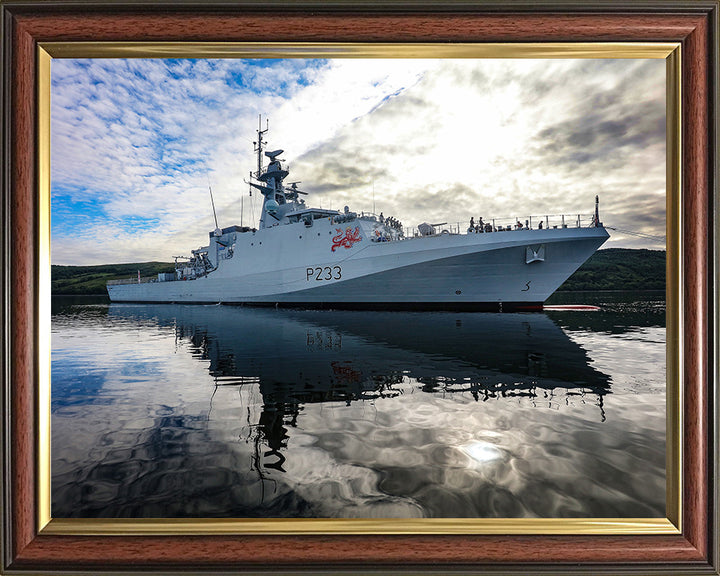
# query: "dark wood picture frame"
[[693, 24]]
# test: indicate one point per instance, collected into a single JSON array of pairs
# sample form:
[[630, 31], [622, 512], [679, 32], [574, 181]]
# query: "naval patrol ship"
[[312, 257]]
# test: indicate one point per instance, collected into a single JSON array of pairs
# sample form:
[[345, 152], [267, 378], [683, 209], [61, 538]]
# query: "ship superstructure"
[[314, 257]]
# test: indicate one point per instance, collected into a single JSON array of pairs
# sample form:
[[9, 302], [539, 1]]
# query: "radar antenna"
[[294, 188]]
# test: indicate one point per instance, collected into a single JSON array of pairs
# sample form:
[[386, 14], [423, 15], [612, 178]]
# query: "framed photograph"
[[177, 435]]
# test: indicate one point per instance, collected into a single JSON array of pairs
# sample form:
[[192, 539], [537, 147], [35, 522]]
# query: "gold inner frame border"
[[671, 524]]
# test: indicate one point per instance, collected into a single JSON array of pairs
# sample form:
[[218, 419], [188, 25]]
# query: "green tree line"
[[620, 269], [77, 280]]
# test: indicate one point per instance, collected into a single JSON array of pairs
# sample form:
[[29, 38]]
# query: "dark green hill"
[[611, 269], [92, 279], [620, 269]]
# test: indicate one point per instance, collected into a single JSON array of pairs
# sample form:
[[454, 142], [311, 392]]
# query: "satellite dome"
[[271, 206]]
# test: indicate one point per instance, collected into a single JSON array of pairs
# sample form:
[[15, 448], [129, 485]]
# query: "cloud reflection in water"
[[273, 413]]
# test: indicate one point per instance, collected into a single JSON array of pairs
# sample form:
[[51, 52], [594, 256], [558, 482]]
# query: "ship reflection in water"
[[291, 413], [297, 358]]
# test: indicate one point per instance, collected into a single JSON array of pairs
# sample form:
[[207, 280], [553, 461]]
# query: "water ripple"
[[181, 411]]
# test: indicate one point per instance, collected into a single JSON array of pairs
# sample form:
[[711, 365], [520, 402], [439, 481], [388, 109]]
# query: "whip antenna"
[[212, 201]]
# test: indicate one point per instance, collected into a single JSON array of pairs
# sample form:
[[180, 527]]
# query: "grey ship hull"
[[494, 271]]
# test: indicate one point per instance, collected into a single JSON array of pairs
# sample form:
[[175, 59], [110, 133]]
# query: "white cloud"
[[438, 139]]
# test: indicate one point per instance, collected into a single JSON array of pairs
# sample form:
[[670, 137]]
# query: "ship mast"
[[260, 143]]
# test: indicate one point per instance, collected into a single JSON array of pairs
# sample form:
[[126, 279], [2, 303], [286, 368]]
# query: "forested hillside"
[[92, 279], [620, 269]]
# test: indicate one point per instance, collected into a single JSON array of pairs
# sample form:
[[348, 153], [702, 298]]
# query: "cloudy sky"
[[136, 144]]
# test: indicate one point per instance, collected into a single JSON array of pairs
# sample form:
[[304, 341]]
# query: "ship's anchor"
[[528, 286]]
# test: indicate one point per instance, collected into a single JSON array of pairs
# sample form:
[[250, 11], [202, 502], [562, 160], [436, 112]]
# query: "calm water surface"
[[220, 411]]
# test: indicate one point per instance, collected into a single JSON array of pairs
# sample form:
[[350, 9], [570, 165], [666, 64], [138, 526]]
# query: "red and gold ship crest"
[[347, 238]]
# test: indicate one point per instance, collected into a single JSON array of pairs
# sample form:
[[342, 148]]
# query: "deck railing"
[[547, 221], [134, 280]]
